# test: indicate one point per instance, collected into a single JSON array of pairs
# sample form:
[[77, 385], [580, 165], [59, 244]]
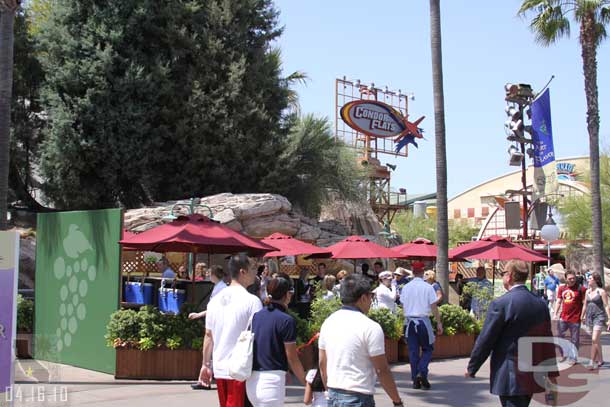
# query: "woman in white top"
[[385, 293]]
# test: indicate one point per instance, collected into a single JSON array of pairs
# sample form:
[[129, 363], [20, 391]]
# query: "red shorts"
[[231, 393]]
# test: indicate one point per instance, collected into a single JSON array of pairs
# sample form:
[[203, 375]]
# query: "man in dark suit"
[[515, 315]]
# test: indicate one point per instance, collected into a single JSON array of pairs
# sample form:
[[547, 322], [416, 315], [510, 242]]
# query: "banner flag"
[[545, 174]]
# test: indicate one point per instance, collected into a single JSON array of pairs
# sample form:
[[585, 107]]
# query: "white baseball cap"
[[385, 274]]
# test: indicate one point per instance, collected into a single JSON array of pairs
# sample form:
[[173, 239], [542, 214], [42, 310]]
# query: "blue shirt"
[[551, 282], [168, 273], [272, 327]]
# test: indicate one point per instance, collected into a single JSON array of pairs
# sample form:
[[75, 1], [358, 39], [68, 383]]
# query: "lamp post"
[[191, 205], [549, 233]]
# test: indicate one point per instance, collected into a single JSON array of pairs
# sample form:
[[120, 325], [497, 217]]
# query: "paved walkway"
[[449, 387]]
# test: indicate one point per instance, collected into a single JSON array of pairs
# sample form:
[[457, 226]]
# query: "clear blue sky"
[[485, 45]]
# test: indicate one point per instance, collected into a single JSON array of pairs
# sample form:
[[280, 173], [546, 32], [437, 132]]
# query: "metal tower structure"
[[384, 202]]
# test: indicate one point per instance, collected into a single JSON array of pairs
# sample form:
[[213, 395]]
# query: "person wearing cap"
[[385, 293], [419, 299]]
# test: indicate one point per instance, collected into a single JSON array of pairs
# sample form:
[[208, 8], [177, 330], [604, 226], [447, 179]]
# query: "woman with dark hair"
[[275, 348], [595, 315]]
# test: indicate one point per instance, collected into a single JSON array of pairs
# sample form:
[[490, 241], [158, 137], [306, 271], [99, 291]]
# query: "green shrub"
[[124, 326], [320, 310], [483, 295], [146, 344], [456, 320], [391, 324], [153, 324], [25, 315], [174, 342], [303, 330], [197, 344], [149, 327]]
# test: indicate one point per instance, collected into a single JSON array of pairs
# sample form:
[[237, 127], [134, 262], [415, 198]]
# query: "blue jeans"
[[574, 328], [344, 398], [418, 339]]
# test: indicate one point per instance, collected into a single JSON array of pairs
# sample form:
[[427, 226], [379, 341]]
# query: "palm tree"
[[8, 8], [442, 227], [549, 24]]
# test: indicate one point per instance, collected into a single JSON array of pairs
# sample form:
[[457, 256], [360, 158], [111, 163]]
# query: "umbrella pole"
[[193, 260], [493, 272]]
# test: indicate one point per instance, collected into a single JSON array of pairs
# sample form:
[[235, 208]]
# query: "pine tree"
[[27, 118], [159, 100]]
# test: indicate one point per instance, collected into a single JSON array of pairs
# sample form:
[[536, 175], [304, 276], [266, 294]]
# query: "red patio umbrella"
[[356, 247], [127, 234], [289, 246], [496, 248], [195, 234], [418, 248]]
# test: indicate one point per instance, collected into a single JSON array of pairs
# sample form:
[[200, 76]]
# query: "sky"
[[485, 46]]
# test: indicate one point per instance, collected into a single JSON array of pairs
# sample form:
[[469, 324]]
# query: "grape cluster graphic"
[[75, 273]]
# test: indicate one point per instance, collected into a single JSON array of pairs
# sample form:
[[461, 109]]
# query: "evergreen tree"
[[27, 118], [160, 100]]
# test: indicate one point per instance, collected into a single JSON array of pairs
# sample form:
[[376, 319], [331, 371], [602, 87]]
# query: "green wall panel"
[[77, 286]]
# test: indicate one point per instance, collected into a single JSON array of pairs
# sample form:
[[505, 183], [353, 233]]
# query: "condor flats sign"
[[373, 118]]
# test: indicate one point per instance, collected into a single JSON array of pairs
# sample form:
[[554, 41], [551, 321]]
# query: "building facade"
[[484, 205]]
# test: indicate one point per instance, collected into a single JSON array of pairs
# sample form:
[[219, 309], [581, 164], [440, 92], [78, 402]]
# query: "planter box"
[[24, 345], [458, 345], [159, 364], [453, 346], [391, 350]]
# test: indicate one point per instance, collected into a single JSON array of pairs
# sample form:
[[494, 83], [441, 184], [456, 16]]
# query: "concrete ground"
[[72, 386]]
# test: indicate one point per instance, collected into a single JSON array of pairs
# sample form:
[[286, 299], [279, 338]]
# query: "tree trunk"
[[442, 230], [588, 43], [7, 18]]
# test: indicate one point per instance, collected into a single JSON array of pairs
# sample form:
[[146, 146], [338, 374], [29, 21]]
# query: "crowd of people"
[[351, 346]]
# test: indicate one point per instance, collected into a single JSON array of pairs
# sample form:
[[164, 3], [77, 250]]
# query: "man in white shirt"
[[228, 314], [385, 293], [352, 353], [418, 300]]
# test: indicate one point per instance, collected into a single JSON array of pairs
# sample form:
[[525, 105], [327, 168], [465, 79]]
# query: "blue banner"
[[542, 136]]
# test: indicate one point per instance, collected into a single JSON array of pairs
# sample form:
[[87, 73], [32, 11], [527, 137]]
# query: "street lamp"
[[549, 233], [191, 205]]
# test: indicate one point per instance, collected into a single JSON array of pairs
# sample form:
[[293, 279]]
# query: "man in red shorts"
[[227, 316]]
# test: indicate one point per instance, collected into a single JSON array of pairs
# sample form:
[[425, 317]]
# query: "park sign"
[[9, 263], [375, 119]]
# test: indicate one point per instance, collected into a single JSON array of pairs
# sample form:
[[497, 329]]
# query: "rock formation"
[[259, 215]]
